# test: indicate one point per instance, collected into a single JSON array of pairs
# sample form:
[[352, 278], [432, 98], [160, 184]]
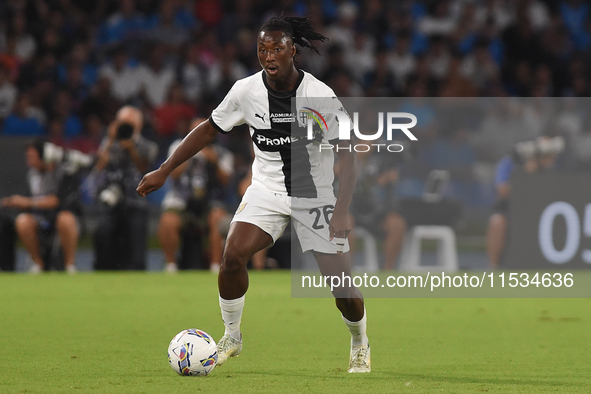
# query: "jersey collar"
[[284, 94]]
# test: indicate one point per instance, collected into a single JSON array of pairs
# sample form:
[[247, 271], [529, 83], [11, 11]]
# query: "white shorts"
[[271, 212]]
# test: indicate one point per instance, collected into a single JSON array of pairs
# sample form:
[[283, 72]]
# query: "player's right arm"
[[197, 139], [227, 115]]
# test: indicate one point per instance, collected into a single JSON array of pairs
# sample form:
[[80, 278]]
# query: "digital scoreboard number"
[[549, 221]]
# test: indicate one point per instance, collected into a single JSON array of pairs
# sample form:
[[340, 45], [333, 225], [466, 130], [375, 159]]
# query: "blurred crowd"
[[66, 66]]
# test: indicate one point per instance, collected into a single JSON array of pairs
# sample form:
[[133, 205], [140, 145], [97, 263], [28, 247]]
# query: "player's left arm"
[[339, 225]]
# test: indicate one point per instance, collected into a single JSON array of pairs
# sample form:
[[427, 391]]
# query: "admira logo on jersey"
[[283, 117]]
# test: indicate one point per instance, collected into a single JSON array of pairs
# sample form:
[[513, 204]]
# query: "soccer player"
[[280, 190]]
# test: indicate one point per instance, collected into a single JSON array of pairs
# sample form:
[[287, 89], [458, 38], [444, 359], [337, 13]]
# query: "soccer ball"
[[192, 353]]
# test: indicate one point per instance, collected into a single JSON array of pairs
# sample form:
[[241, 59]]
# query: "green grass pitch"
[[108, 333]]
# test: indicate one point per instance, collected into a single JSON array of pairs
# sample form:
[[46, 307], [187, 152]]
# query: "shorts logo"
[[241, 207]]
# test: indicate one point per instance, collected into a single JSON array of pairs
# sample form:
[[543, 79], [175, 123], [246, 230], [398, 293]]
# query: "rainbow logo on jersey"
[[308, 113]]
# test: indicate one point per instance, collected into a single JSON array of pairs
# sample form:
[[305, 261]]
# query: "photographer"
[[195, 204], [53, 204], [532, 156], [123, 157]]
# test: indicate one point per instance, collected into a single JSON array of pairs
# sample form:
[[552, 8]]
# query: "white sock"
[[231, 315], [358, 330]]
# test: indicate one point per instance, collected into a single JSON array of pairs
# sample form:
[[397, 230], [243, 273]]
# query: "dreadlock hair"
[[299, 29]]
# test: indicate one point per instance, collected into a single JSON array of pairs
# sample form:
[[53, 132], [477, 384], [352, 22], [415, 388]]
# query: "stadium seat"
[[370, 250], [437, 227], [447, 255]]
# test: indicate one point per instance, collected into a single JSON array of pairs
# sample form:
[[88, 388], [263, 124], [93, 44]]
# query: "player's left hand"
[[339, 226]]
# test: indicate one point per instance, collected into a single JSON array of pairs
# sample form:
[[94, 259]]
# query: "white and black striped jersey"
[[284, 162]]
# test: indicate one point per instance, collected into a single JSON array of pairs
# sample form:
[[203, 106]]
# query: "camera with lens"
[[124, 131], [524, 151], [111, 195], [71, 159], [527, 150], [550, 145]]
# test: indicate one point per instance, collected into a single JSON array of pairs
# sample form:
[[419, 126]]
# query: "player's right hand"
[[150, 182]]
